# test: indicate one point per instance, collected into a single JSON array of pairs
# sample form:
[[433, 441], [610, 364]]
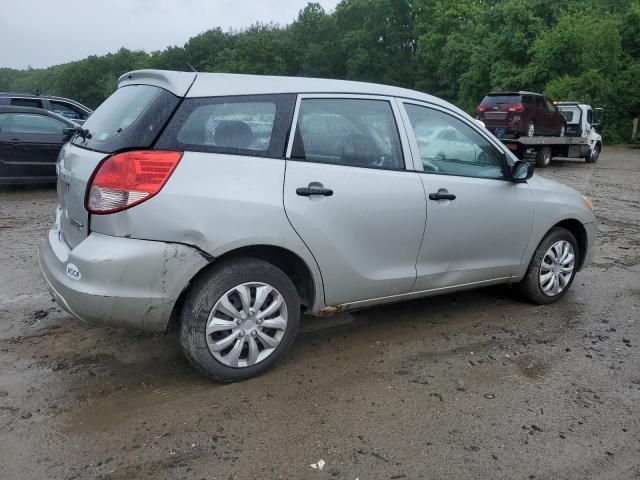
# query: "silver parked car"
[[225, 206]]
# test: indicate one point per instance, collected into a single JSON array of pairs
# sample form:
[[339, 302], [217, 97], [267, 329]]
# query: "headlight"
[[588, 202]]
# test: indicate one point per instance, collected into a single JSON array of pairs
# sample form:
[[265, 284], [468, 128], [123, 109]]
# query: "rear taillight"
[[129, 178], [515, 108]]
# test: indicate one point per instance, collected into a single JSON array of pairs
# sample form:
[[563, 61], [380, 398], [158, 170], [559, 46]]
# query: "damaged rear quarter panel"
[[216, 203]]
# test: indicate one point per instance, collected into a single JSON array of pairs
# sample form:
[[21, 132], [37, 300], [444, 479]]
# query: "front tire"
[[552, 269], [592, 156], [239, 319], [543, 157]]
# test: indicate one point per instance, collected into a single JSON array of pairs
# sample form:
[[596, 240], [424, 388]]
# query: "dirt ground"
[[471, 385]]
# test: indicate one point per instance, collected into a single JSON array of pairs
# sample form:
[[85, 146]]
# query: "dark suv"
[[521, 113], [70, 109]]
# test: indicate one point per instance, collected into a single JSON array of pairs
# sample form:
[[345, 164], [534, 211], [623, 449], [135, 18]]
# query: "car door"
[[541, 118], [555, 118], [478, 221], [29, 144], [350, 197]]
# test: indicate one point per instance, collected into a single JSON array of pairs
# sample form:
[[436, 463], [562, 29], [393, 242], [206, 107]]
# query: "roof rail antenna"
[[191, 67], [36, 92]]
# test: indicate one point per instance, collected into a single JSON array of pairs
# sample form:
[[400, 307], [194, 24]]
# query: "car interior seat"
[[233, 134]]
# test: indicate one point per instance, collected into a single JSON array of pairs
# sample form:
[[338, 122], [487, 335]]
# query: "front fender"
[[555, 203]]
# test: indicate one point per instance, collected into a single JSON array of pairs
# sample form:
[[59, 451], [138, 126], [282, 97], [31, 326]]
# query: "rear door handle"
[[308, 191], [442, 194]]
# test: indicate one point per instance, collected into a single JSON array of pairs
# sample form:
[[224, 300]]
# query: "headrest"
[[233, 134]]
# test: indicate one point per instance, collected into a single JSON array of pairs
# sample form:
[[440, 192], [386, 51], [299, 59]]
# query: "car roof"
[[194, 85], [521, 92], [571, 104], [39, 111]]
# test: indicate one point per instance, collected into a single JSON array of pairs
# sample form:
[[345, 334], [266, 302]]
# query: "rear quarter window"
[[132, 117], [254, 125]]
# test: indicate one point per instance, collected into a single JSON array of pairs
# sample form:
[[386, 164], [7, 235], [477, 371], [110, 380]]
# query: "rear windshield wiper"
[[84, 133]]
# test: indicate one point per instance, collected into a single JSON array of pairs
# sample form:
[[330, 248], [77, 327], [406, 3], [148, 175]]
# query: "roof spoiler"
[[177, 83]]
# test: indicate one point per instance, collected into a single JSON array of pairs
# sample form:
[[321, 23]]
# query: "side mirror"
[[521, 172], [598, 117]]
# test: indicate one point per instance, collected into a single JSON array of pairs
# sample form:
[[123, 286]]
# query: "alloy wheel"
[[557, 268], [246, 324]]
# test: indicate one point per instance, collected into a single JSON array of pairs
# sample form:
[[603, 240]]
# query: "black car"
[[30, 140], [65, 107]]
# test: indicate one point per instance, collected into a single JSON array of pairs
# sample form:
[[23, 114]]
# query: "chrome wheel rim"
[[246, 324], [595, 154], [531, 130], [557, 268], [562, 131]]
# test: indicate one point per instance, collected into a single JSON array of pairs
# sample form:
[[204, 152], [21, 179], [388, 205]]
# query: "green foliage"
[[583, 50]]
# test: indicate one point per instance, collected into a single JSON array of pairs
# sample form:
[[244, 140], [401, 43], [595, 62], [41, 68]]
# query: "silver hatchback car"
[[223, 207]]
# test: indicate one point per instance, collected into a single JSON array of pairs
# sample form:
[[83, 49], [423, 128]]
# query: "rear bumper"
[[512, 127], [118, 281]]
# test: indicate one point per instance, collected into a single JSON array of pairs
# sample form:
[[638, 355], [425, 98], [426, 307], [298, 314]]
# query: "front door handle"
[[442, 194], [308, 191]]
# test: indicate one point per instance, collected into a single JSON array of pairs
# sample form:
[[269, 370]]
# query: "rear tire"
[[531, 130], [593, 155], [215, 313], [535, 286], [543, 157]]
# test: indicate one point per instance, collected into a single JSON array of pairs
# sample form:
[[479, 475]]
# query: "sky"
[[41, 33]]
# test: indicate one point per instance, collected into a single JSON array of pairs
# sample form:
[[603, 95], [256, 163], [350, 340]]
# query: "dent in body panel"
[[216, 203]]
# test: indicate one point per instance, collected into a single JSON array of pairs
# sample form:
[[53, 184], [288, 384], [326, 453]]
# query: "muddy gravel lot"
[[471, 385]]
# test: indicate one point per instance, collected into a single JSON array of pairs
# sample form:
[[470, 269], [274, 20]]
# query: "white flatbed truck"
[[580, 141]]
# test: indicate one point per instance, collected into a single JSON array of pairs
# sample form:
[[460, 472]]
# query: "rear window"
[[568, 115], [501, 99], [131, 117], [26, 102], [247, 125]]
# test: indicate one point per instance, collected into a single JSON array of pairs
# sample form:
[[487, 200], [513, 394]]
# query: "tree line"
[[459, 50]]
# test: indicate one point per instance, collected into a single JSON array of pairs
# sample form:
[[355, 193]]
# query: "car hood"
[[538, 182]]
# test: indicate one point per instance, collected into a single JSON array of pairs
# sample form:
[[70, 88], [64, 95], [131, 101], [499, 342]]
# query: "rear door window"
[[29, 123], [67, 110], [132, 117], [344, 131], [254, 125]]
